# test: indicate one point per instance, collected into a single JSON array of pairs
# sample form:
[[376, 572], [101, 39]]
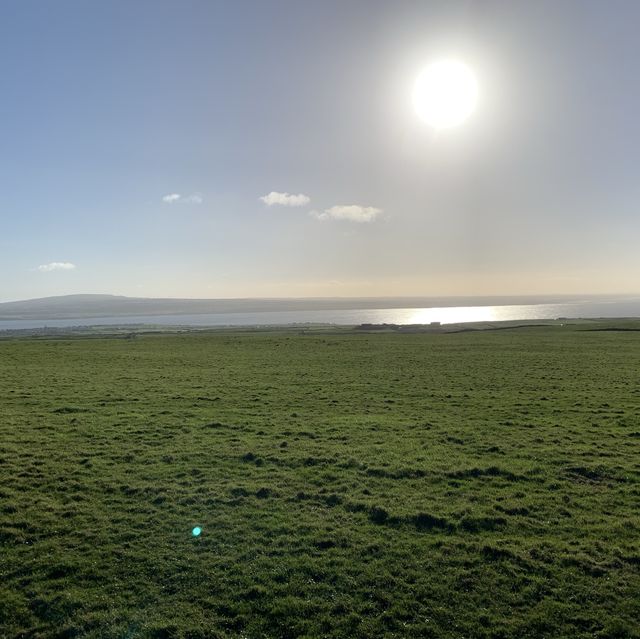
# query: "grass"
[[477, 484]]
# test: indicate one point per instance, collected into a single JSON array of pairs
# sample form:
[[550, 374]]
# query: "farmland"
[[473, 484]]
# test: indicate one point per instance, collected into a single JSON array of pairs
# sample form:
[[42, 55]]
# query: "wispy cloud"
[[56, 266], [285, 199], [172, 198], [349, 212]]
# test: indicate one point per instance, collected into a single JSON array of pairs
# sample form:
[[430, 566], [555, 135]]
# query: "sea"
[[588, 309]]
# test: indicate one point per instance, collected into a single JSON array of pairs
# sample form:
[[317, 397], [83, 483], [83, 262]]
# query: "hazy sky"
[[137, 138]]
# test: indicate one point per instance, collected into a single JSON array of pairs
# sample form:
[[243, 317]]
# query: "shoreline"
[[133, 330]]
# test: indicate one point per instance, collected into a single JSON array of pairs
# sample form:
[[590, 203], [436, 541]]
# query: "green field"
[[474, 484]]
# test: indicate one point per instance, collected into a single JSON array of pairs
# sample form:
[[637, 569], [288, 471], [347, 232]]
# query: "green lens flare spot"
[[196, 531]]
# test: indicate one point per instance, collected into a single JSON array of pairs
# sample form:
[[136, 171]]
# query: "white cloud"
[[56, 266], [319, 215], [170, 198], [350, 212], [285, 199]]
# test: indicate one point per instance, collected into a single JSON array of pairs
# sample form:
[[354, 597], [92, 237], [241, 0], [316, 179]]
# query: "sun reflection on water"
[[452, 315]]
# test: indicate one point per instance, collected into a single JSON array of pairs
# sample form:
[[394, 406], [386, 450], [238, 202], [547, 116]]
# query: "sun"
[[445, 94]]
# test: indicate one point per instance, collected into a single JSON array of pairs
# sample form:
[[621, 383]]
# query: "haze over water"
[[593, 308]]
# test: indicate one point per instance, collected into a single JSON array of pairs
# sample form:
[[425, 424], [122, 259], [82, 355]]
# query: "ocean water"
[[610, 307]]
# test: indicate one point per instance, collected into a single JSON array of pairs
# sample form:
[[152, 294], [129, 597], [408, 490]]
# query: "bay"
[[588, 308]]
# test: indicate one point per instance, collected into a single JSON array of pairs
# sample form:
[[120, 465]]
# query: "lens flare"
[[196, 531]]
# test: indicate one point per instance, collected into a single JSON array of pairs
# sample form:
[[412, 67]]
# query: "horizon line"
[[330, 297]]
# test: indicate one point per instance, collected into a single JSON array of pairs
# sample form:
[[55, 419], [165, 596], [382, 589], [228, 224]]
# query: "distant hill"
[[91, 306]]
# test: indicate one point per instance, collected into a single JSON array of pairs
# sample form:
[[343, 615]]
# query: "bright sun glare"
[[445, 94]]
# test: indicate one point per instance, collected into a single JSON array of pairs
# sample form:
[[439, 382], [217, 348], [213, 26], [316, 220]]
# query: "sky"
[[270, 148]]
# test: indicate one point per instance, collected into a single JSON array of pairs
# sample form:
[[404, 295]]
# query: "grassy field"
[[477, 484]]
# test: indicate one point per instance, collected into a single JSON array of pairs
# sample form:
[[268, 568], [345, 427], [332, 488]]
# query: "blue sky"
[[109, 107]]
